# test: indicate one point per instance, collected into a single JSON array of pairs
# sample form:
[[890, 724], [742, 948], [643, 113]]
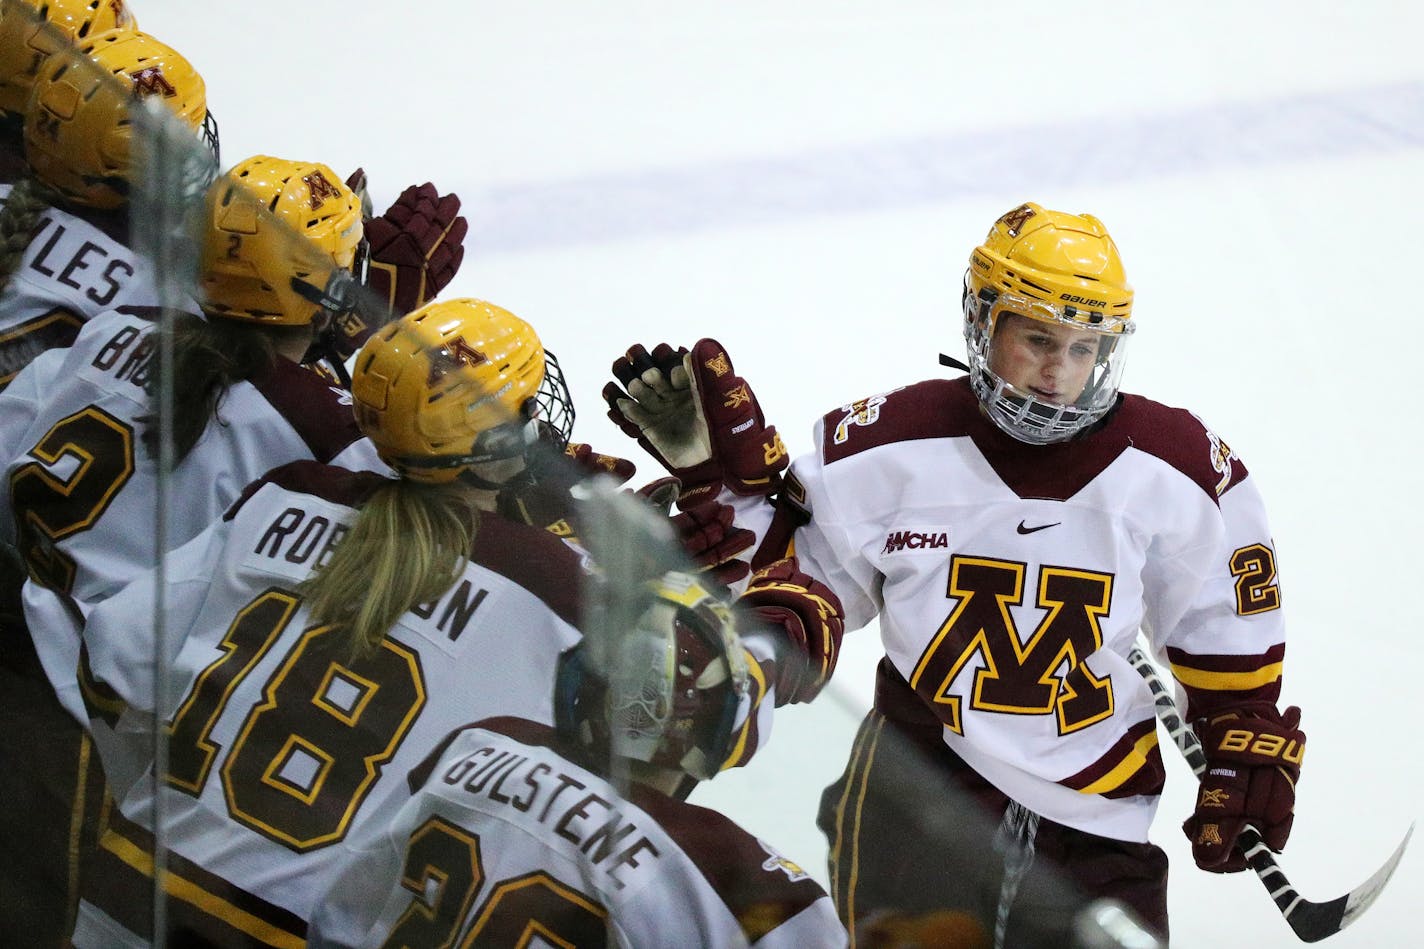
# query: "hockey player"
[[82, 470], [65, 234], [582, 829], [331, 628], [66, 228], [1014, 531]]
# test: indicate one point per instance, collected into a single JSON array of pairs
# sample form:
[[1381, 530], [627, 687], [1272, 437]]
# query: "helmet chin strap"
[[475, 481], [946, 360]]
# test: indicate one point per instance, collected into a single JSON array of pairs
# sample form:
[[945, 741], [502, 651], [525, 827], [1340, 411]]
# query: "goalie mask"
[[458, 383], [279, 234], [1047, 318], [30, 30], [79, 123], [667, 693]]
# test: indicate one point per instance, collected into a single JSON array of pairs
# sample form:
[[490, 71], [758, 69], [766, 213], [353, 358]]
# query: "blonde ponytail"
[[406, 548]]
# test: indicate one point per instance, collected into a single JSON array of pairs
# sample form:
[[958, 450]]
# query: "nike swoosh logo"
[[1041, 527]]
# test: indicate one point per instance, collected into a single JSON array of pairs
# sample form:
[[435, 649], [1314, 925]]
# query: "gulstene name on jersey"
[[588, 821]]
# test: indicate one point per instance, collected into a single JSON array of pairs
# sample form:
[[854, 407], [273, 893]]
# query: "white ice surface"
[[804, 182]]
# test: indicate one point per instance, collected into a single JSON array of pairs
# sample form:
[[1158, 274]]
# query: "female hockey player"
[[582, 827], [332, 628], [66, 253], [1014, 531], [82, 472]]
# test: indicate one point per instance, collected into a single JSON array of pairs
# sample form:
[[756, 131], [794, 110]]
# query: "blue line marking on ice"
[[894, 175]]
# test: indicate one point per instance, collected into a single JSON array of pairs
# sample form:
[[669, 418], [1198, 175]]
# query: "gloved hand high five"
[[1253, 761], [416, 247], [412, 252], [706, 532], [700, 419], [810, 616]]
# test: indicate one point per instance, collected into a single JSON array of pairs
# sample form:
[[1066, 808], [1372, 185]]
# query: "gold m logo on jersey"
[[150, 81], [1018, 676], [319, 188]]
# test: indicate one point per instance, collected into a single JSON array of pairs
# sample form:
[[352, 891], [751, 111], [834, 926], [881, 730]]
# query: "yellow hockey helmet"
[[1056, 268], [277, 232], [78, 127], [30, 30], [453, 384]]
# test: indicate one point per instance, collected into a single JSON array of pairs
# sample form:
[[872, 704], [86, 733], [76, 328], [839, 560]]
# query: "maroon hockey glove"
[[1253, 761], [544, 499], [810, 614], [709, 537], [590, 462], [416, 247], [700, 419], [704, 531]]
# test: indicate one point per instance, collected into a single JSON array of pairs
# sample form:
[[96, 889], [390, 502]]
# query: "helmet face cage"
[[1018, 411], [554, 406]]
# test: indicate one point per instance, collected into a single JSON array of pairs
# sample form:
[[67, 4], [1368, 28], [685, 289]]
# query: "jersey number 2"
[[443, 868]]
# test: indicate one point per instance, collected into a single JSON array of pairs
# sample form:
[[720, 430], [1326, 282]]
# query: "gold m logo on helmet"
[[319, 188], [150, 81], [455, 353], [1215, 797], [719, 364], [1015, 219]]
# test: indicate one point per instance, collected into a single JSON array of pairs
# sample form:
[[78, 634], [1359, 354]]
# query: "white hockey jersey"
[[511, 828], [79, 490], [1011, 581], [72, 271], [281, 743]]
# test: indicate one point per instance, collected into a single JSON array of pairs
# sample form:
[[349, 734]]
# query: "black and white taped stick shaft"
[[1312, 922]]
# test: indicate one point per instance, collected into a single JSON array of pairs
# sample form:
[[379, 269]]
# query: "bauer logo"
[[899, 541]]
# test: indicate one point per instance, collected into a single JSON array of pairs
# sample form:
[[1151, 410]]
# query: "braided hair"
[[20, 215]]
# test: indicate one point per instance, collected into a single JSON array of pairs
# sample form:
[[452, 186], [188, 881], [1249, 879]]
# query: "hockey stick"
[[1312, 922]]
